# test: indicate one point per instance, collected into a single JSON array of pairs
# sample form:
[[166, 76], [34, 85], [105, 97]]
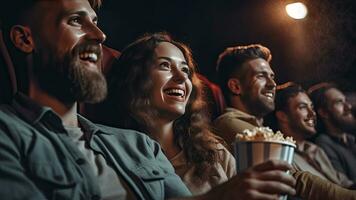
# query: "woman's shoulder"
[[223, 151], [226, 160]]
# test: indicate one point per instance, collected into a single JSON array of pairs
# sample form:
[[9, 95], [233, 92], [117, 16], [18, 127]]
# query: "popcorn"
[[263, 134]]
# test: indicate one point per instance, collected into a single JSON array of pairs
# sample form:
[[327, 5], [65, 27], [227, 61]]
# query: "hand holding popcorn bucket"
[[261, 144]]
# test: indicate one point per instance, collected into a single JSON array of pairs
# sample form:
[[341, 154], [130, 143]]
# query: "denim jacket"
[[39, 161]]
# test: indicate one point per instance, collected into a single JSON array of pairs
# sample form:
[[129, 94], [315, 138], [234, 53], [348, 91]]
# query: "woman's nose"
[[179, 75]]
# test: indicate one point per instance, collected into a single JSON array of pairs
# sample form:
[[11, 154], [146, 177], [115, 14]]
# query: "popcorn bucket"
[[251, 153]]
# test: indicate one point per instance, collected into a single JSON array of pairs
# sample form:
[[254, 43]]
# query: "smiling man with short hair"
[[296, 118], [248, 85]]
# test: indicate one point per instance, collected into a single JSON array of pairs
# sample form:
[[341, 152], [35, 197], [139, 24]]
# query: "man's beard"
[[346, 125], [299, 128], [68, 79], [256, 106]]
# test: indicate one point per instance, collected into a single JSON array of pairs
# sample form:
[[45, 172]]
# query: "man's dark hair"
[[284, 93], [230, 63], [317, 95]]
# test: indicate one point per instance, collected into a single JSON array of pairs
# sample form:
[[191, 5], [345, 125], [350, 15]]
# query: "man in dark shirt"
[[48, 151], [335, 125]]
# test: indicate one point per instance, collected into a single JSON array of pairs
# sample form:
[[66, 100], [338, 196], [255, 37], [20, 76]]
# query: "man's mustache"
[[88, 47]]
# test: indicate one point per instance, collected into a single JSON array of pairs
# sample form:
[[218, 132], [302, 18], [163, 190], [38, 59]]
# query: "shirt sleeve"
[[173, 184], [332, 154], [227, 161], [310, 187], [344, 181], [228, 126], [14, 182]]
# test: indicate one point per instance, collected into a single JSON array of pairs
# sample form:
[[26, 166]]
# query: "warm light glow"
[[297, 10]]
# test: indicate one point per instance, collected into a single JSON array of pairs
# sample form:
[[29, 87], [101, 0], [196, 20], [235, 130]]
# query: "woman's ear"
[[234, 86], [21, 37]]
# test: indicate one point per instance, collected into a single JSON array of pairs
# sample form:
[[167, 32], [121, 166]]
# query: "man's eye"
[[260, 75], [74, 21], [340, 102], [302, 107]]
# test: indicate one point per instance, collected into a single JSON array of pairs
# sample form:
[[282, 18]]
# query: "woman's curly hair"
[[128, 100]]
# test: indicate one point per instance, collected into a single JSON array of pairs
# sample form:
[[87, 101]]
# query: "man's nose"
[[271, 83], [311, 112], [348, 106], [95, 33]]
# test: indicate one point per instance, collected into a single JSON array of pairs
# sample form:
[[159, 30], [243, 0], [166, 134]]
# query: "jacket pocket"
[[52, 180], [152, 177]]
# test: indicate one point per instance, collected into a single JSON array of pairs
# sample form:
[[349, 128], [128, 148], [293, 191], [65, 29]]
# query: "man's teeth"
[[93, 57], [175, 92], [269, 94]]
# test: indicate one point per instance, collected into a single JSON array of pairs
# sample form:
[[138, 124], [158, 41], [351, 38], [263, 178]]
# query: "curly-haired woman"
[[154, 88]]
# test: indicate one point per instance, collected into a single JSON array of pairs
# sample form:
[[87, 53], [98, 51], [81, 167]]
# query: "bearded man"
[[337, 127]]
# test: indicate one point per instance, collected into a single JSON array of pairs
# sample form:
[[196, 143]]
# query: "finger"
[[276, 175], [269, 187], [272, 165], [257, 195]]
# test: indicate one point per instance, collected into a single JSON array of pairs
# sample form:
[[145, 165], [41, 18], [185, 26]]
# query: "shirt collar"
[[307, 147], [93, 128], [344, 138], [244, 116], [34, 113], [30, 110]]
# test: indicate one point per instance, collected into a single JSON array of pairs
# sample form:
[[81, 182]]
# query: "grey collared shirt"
[[39, 161]]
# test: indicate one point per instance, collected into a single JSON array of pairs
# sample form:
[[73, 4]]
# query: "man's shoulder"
[[234, 119], [323, 139], [8, 115], [124, 135], [229, 114], [329, 145]]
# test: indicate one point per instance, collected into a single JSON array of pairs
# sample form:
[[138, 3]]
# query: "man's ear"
[[322, 113], [234, 86], [21, 37], [281, 116]]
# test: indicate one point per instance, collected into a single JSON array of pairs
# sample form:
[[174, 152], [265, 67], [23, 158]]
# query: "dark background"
[[320, 47]]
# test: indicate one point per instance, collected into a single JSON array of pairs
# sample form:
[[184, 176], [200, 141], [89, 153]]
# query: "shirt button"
[[80, 161], [155, 172], [95, 197]]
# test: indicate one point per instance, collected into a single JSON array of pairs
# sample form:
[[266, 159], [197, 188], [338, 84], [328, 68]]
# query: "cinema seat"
[[8, 83]]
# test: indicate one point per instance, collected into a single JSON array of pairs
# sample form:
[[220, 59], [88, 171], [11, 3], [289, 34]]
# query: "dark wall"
[[319, 48]]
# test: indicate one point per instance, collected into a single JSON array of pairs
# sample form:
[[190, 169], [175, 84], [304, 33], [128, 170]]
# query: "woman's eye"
[[164, 65], [186, 70]]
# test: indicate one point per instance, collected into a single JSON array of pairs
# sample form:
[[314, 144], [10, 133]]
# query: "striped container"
[[250, 153]]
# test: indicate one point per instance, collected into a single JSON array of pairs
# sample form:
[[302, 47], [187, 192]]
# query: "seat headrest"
[[8, 82], [109, 55]]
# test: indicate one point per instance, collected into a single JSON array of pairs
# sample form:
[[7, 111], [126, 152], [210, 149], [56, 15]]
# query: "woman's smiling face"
[[171, 83]]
